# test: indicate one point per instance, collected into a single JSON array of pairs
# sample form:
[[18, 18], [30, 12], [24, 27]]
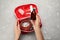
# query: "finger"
[[15, 25], [18, 26], [16, 22], [32, 23], [38, 18]]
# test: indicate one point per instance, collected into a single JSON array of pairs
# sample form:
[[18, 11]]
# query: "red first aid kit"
[[23, 14], [24, 11]]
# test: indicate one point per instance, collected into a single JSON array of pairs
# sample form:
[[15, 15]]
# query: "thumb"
[[18, 26], [32, 22]]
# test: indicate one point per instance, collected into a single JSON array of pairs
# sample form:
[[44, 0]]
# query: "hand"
[[17, 30], [36, 23], [36, 26]]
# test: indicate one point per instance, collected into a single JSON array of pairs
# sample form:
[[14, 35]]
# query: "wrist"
[[36, 27], [16, 37]]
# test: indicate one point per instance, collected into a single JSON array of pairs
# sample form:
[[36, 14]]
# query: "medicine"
[[33, 15], [25, 24]]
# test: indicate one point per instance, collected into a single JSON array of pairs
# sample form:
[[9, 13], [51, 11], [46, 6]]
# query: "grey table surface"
[[49, 11]]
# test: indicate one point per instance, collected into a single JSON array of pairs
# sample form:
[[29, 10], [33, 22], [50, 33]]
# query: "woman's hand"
[[37, 29], [17, 30], [36, 23]]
